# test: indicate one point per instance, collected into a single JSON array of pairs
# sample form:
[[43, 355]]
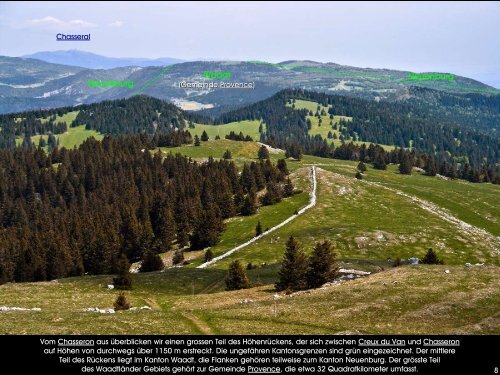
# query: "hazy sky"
[[461, 38]]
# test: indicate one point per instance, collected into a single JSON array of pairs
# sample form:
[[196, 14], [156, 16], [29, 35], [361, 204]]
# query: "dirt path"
[[445, 215], [200, 324], [311, 204]]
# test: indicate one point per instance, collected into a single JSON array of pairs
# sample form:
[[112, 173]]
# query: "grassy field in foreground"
[[421, 299]]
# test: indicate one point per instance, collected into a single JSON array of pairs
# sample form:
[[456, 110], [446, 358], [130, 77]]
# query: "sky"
[[455, 37]]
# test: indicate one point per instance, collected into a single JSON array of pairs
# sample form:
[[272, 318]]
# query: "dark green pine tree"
[[293, 272], [263, 153], [258, 229], [322, 265], [281, 165], [247, 179], [258, 174], [249, 205], [197, 140], [379, 162], [361, 167], [238, 199], [288, 190], [273, 194], [165, 233], [431, 258], [236, 277], [430, 167], [131, 234], [405, 166], [121, 302], [204, 136], [41, 142], [152, 262], [51, 142], [27, 143], [227, 155], [208, 229], [209, 255], [178, 257], [124, 279]]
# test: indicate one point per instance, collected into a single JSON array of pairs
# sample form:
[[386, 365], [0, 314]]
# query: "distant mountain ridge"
[[27, 83], [91, 60]]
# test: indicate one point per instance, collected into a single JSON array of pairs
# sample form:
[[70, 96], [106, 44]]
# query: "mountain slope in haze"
[[65, 88], [93, 61]]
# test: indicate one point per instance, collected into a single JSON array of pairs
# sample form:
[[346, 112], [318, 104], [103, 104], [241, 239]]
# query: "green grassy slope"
[[74, 137], [71, 138]]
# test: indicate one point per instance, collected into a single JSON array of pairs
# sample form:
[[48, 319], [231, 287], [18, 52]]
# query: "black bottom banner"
[[251, 354]]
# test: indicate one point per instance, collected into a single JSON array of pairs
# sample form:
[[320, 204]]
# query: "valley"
[[371, 222]]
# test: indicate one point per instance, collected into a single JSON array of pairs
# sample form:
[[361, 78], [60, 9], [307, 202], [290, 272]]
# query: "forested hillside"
[[402, 124], [140, 114], [73, 211], [460, 142]]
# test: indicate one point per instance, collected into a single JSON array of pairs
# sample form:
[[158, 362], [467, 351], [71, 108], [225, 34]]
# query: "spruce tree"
[[379, 162], [288, 190], [273, 194], [405, 166], [292, 275], [431, 258], [236, 277], [178, 257], [227, 155], [258, 175], [166, 230], [209, 255], [208, 228], [121, 302], [322, 265], [249, 205], [361, 167], [263, 153], [204, 136], [197, 140], [430, 167], [124, 278], [281, 165], [247, 179], [152, 262], [258, 229]]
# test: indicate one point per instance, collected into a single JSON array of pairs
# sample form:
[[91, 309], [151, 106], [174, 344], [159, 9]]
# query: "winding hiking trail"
[[311, 204]]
